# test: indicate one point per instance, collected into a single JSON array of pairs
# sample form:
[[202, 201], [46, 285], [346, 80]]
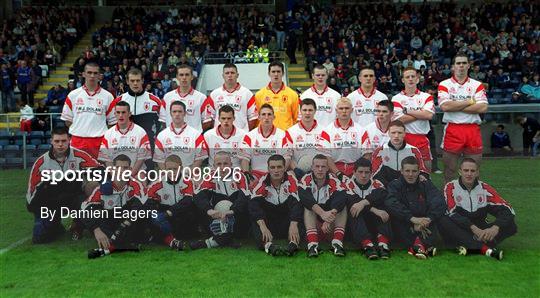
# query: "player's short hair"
[[396, 123], [92, 64], [308, 102], [320, 157], [174, 158], [134, 72], [184, 66], [267, 106], [365, 68], [123, 104], [468, 159], [319, 67], [226, 109], [121, 157], [276, 157], [409, 68], [460, 55], [409, 160], [362, 163], [178, 103], [344, 100], [59, 131], [386, 103], [278, 64], [501, 126], [222, 153], [230, 65]]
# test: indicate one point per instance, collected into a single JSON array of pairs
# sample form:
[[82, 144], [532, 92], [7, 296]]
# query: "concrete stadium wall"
[[252, 75]]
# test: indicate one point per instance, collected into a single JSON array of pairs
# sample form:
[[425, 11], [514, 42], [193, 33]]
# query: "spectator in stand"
[[56, 96], [531, 134], [27, 114], [531, 88], [41, 121], [500, 142], [6, 86], [24, 82]]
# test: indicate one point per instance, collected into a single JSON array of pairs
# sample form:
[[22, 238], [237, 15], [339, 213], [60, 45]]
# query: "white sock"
[[336, 241], [267, 246], [211, 243]]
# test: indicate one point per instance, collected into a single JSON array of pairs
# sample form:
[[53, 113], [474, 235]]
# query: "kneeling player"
[[173, 199], [367, 212], [223, 199], [47, 196], [324, 198], [415, 206], [469, 202], [112, 232], [275, 209]]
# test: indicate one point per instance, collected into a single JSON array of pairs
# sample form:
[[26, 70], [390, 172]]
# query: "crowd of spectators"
[[36, 36]]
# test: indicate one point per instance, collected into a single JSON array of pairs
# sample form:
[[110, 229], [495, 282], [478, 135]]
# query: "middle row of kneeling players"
[[320, 206]]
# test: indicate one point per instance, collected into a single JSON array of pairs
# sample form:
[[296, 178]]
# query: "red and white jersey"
[[374, 137], [308, 143], [76, 160], [186, 142], [133, 190], [279, 196], [450, 90], [355, 189], [217, 142], [364, 105], [168, 193], [326, 104], [241, 99], [347, 141], [420, 101], [321, 195], [225, 187], [134, 143], [90, 113], [199, 109], [257, 147]]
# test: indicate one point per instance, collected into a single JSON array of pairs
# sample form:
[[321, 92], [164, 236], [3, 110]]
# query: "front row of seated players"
[[280, 207]]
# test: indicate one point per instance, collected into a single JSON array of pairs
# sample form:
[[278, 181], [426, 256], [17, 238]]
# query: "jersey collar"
[[361, 91], [173, 129], [271, 133], [280, 89], [190, 92], [129, 128], [455, 80], [349, 124], [378, 124], [301, 124], [236, 88], [417, 91], [88, 91], [362, 186], [314, 89], [218, 132], [465, 187]]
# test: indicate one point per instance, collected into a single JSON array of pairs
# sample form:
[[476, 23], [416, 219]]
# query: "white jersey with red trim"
[[144, 103], [354, 189], [347, 141], [258, 148], [451, 90], [420, 101], [323, 194], [134, 143], [364, 105], [374, 137], [307, 143], [168, 193], [90, 113], [199, 109], [186, 142], [326, 104], [241, 99], [120, 197], [217, 142], [76, 160]]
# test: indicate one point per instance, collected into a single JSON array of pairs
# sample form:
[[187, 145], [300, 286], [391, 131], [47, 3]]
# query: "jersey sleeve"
[[398, 108], [480, 94], [159, 152], [111, 117], [163, 111], [429, 105], [208, 111], [252, 113], [67, 110], [442, 94], [245, 150], [144, 152], [201, 148], [104, 150]]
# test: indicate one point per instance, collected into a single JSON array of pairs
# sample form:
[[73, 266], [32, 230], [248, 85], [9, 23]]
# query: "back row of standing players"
[[274, 119]]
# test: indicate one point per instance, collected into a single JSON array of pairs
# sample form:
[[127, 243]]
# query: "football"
[[223, 205]]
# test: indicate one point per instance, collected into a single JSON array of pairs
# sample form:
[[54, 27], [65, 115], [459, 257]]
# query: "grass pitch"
[[62, 269]]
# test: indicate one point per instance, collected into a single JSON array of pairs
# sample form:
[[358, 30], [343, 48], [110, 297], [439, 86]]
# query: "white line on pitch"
[[13, 245]]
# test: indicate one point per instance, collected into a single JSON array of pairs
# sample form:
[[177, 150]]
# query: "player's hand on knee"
[[266, 235], [383, 215], [326, 227], [102, 239], [328, 216], [294, 235]]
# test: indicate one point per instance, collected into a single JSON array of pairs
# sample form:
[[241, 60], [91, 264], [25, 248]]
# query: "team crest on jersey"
[[99, 102], [337, 137], [469, 90], [452, 90], [480, 199], [353, 135], [72, 165], [168, 141], [191, 102], [238, 99], [286, 190], [216, 146], [132, 140], [166, 197], [186, 140], [267, 98], [284, 98], [299, 139], [220, 98], [146, 106], [80, 101], [329, 100], [110, 203], [386, 158], [358, 104], [235, 144], [376, 139], [114, 141], [274, 144], [459, 199]]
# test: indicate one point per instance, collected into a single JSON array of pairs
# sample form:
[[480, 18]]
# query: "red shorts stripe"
[[421, 142], [462, 138], [89, 145]]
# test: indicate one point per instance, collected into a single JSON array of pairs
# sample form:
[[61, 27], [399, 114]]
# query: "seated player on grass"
[[52, 197], [324, 198], [469, 201], [115, 233], [415, 206], [275, 209], [223, 199], [368, 220], [173, 199]]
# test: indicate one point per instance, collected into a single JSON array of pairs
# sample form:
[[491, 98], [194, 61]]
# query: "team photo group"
[[277, 170]]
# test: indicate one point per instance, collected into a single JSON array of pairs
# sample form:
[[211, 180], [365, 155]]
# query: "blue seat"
[[4, 134], [4, 142], [55, 109], [11, 151], [14, 161], [36, 141], [44, 147], [30, 147], [36, 134], [47, 134]]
